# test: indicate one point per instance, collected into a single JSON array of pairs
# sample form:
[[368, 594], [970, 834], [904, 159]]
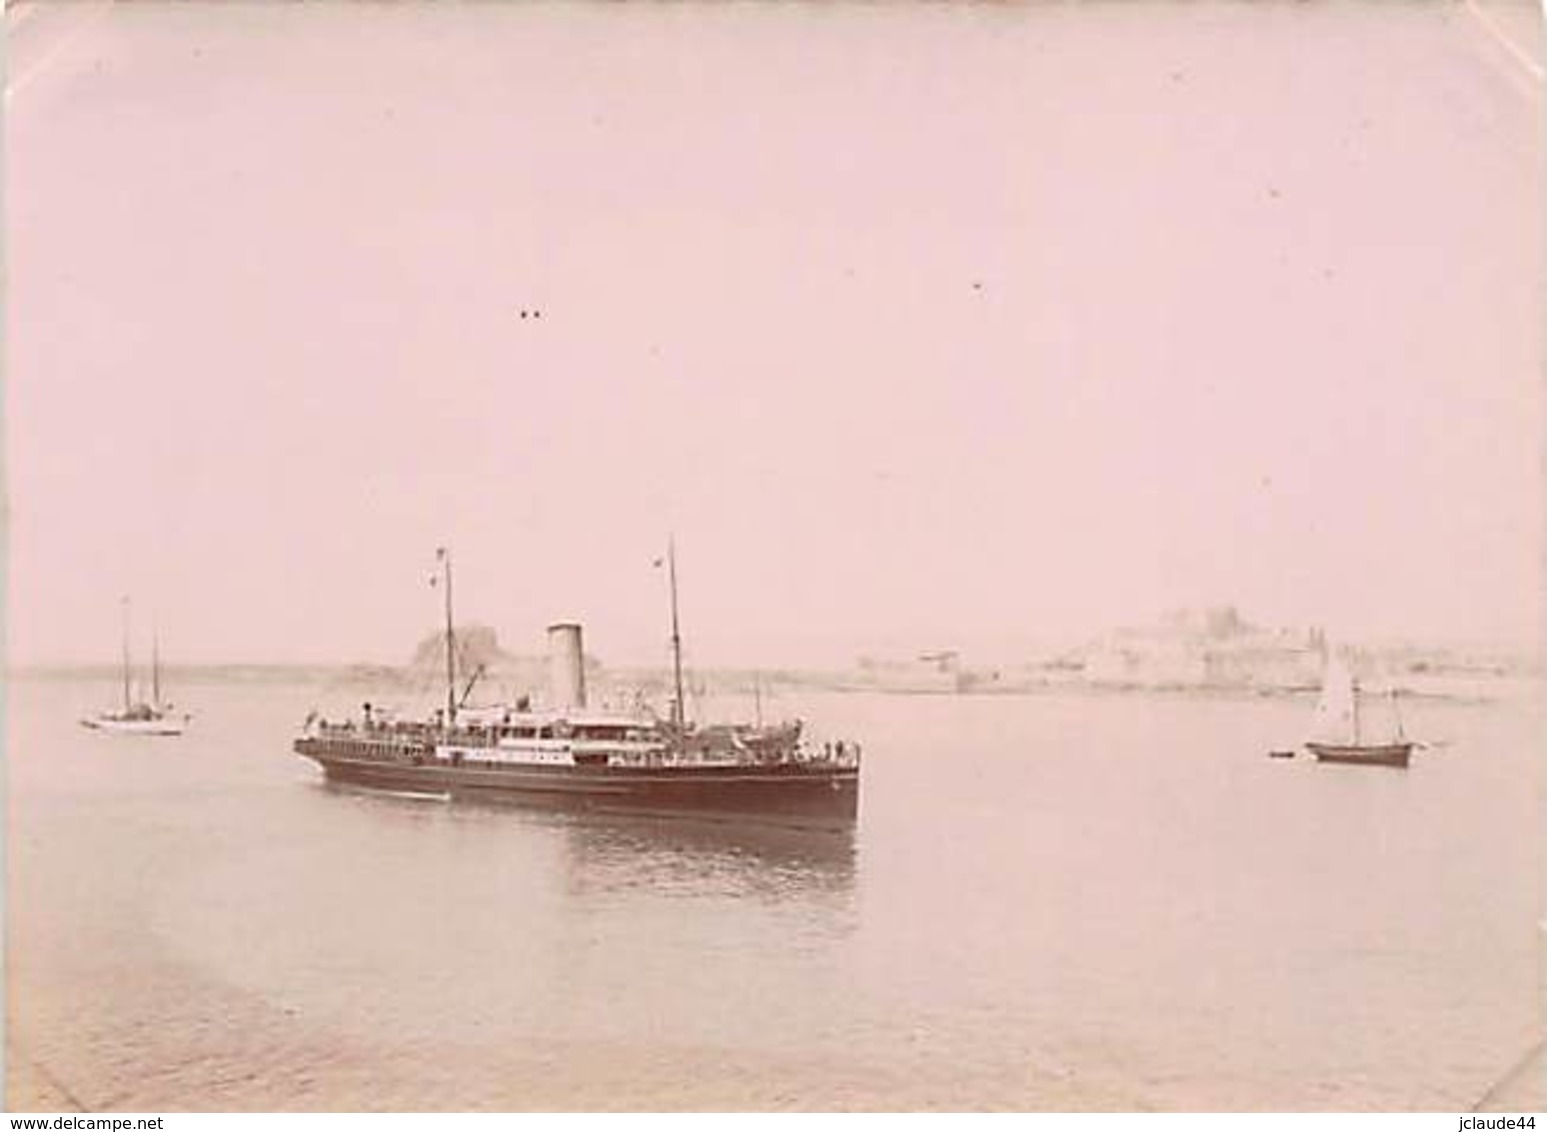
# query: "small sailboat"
[[1353, 726], [138, 716]]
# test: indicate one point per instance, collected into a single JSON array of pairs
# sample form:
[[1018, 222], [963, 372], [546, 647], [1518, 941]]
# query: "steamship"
[[568, 755]]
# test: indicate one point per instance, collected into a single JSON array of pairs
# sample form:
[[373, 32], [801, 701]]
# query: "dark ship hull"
[[806, 795], [1381, 754]]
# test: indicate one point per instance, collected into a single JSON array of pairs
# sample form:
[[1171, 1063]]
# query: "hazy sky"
[[921, 326]]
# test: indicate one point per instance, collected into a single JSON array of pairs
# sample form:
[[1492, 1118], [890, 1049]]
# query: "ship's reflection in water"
[[503, 922], [684, 856], [711, 858]]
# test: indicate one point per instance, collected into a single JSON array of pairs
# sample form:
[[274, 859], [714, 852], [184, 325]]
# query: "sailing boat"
[[1349, 728], [139, 717]]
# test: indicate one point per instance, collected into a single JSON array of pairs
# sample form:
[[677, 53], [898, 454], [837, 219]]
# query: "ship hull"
[[1383, 754], [163, 727], [792, 795]]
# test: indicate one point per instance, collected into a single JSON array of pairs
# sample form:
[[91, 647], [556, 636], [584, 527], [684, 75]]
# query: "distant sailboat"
[[1351, 726], [138, 717]]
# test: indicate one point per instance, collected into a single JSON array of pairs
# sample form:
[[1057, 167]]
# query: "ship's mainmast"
[[451, 643], [127, 697], [678, 713]]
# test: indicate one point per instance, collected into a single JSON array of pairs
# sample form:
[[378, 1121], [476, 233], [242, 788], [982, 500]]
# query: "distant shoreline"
[[1469, 687]]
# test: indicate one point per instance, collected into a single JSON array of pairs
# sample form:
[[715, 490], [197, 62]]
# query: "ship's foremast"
[[678, 706], [444, 556]]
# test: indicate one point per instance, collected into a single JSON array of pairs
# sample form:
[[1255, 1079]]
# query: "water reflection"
[[683, 856], [710, 858]]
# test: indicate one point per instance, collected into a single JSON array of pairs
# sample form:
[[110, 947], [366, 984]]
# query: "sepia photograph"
[[693, 556]]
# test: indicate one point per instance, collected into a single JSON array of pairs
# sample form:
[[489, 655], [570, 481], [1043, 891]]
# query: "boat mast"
[[124, 602], [1353, 684], [678, 707], [451, 644], [155, 664]]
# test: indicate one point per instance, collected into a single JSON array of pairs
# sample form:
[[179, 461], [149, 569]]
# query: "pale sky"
[[922, 326]]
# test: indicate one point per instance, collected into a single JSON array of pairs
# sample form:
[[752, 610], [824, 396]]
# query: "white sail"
[[1336, 719]]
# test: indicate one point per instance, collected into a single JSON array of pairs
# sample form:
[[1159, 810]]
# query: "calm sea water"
[[1050, 902]]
